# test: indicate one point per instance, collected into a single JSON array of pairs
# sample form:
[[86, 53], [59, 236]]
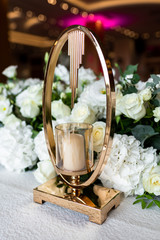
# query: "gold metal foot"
[[96, 201]]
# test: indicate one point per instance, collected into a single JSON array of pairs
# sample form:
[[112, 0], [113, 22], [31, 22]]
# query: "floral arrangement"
[[133, 166]]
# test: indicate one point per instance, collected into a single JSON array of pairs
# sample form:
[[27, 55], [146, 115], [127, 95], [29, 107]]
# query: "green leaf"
[[157, 203], [34, 133], [46, 57], [1, 124], [143, 204], [150, 204], [135, 79], [141, 196], [129, 90], [117, 66], [150, 84], [148, 196], [140, 200], [153, 141], [131, 69], [155, 102], [118, 119], [156, 91], [155, 78], [142, 132]]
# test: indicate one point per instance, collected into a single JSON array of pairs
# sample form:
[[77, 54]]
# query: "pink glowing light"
[[106, 22]]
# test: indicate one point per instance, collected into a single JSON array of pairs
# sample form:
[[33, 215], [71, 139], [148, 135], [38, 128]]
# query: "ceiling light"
[[64, 6], [74, 10], [42, 18], [91, 15], [52, 2], [157, 34], [145, 36], [13, 26], [84, 14], [17, 9], [29, 14]]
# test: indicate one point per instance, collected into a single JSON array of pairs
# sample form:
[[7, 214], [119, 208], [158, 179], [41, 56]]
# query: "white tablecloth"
[[22, 219]]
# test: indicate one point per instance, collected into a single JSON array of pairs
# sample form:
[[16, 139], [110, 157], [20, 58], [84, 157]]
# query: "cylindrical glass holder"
[[74, 148]]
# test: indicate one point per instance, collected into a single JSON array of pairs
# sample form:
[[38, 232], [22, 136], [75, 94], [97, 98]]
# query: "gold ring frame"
[[110, 102]]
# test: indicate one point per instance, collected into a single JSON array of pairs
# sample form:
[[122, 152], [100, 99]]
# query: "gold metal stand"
[[95, 201]]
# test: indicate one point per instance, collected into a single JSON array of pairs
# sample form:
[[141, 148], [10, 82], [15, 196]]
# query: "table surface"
[[22, 219]]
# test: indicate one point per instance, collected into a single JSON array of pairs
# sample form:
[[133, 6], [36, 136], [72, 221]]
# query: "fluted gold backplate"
[[75, 36]]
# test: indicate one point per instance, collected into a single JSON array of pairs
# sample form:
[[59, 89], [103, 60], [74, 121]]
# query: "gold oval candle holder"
[[71, 149]]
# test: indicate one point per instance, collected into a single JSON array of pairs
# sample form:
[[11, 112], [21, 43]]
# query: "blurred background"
[[129, 32]]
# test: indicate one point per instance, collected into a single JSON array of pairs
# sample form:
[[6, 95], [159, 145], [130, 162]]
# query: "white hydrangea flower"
[[62, 72], [45, 171], [126, 165], [10, 71], [5, 107], [156, 114], [41, 147], [59, 109], [17, 148], [82, 113], [94, 95]]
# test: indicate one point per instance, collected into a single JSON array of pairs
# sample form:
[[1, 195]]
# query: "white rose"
[[132, 106], [66, 119], [12, 121], [41, 147], [5, 108], [59, 109], [151, 181], [98, 135], [10, 71], [62, 72], [146, 94], [45, 171], [82, 113], [29, 109], [17, 148], [156, 114], [35, 93], [32, 81], [119, 96]]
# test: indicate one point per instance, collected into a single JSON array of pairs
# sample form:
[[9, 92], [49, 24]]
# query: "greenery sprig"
[[147, 200], [128, 78]]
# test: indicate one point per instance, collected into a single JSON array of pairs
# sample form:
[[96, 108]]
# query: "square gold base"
[[95, 201]]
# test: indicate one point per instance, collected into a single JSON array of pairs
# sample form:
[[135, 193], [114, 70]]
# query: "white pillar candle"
[[73, 152]]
